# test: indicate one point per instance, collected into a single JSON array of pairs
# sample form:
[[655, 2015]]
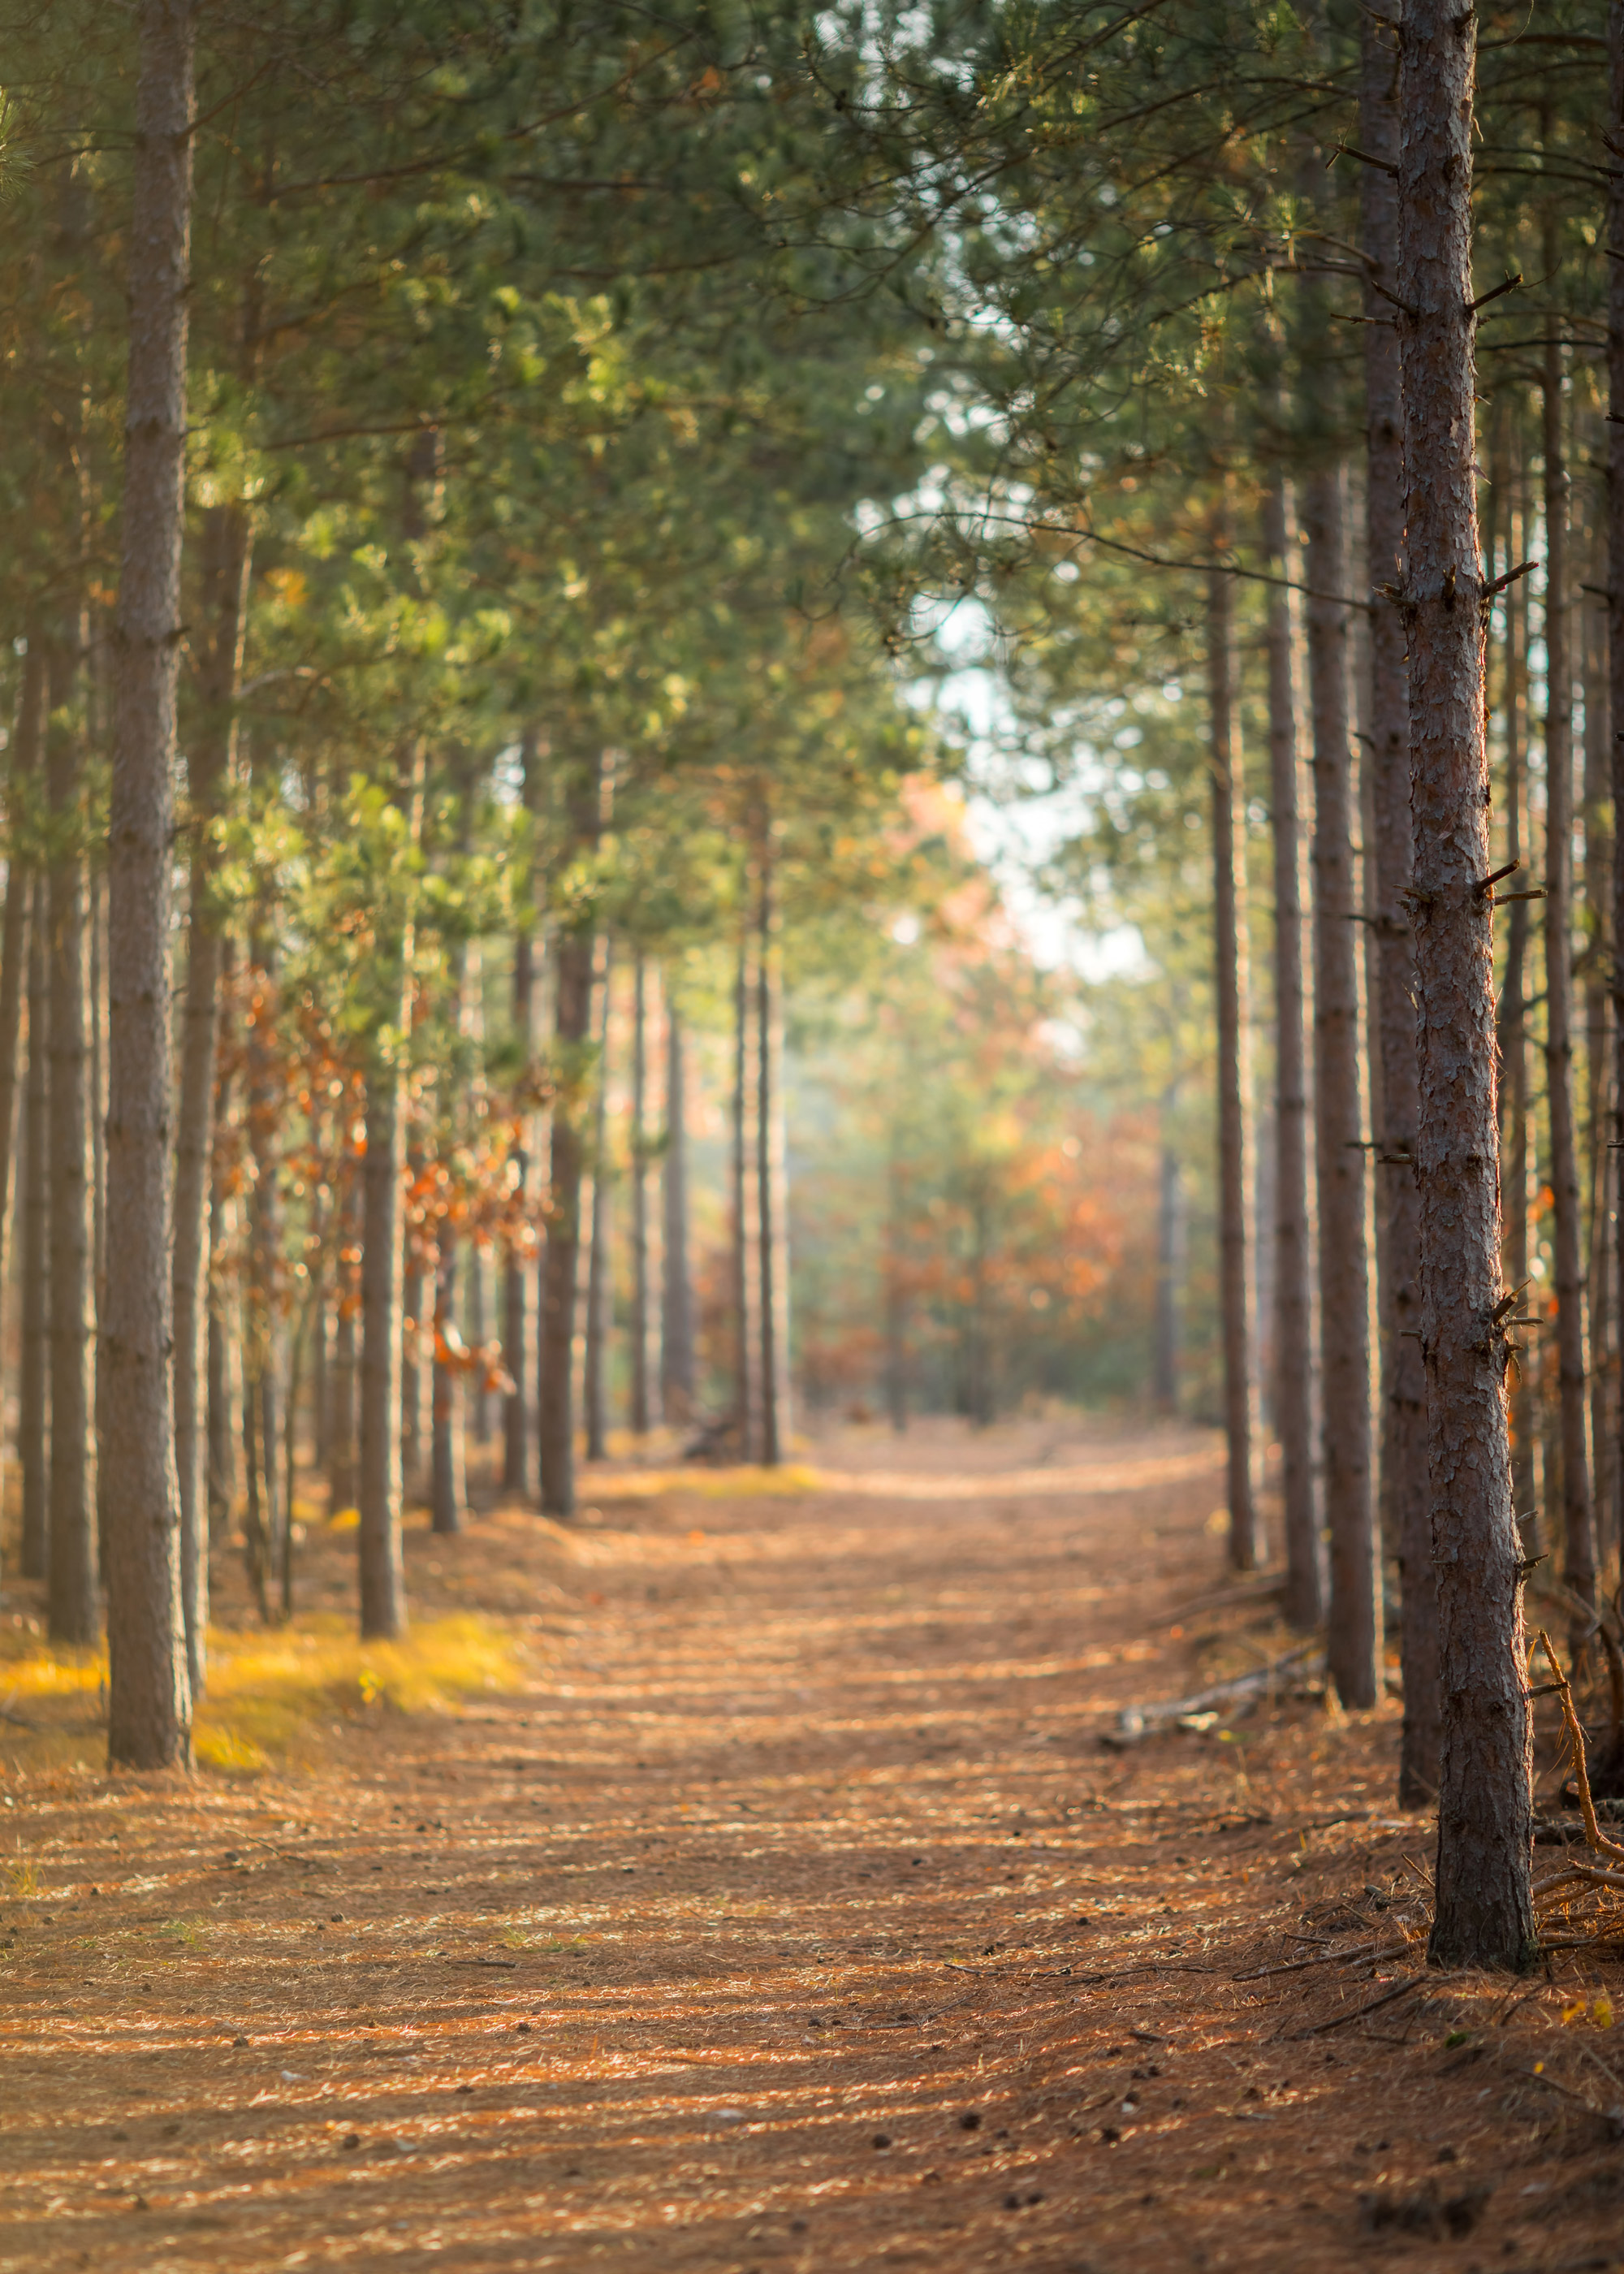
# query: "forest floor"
[[780, 1910]]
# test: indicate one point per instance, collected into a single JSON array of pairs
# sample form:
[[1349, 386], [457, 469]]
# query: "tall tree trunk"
[[676, 1305], [1234, 1087], [1484, 1916], [33, 1387], [14, 929], [149, 1699], [72, 1591], [414, 1342], [210, 757], [449, 1484], [599, 1277], [772, 1175], [1567, 1204], [745, 1401], [518, 1474], [225, 1346], [1170, 1264], [1511, 1096], [268, 1501], [1615, 621], [1404, 1492], [1294, 1336], [640, 1398], [896, 1291], [383, 1575], [1354, 1637], [1598, 1065], [342, 1388], [560, 1260]]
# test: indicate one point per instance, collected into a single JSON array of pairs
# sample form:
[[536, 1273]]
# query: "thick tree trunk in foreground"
[[676, 1305], [33, 1385], [210, 759], [641, 1401], [1566, 1207], [149, 1699], [560, 1259], [1484, 1825], [1354, 1626], [1404, 1497], [1615, 607], [1234, 1146], [73, 1613], [1293, 1336]]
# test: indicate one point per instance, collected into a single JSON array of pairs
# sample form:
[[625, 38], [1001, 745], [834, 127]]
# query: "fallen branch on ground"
[[1401, 1989], [1243, 1689], [1600, 1844]]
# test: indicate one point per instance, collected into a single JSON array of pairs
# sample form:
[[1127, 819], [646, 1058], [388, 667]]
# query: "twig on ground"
[[1400, 1990], [1324, 1958], [1593, 1831], [1137, 1722]]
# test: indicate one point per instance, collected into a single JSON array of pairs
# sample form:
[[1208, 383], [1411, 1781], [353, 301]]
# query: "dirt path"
[[794, 1919]]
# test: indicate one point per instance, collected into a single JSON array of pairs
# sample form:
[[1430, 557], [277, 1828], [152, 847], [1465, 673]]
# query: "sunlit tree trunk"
[[224, 1345], [25, 754], [1354, 1629], [896, 1289], [676, 1304], [342, 1386], [149, 1699], [1600, 1156], [72, 1562], [1483, 1914], [1294, 1336], [1405, 1496], [379, 1491], [210, 759], [745, 1315], [1567, 1205], [518, 1470], [448, 1483], [1170, 1263], [1234, 1085], [414, 1341]]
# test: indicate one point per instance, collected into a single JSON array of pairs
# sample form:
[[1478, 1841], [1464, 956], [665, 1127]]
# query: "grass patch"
[[282, 1694]]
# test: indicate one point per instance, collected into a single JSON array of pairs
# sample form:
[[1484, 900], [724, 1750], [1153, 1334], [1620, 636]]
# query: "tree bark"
[[745, 1315], [209, 762], [641, 1401], [1404, 1493], [1567, 1204], [599, 1278], [1169, 1263], [73, 1614], [1234, 1087], [676, 1305], [33, 1387], [1598, 833], [342, 1386], [14, 929], [1483, 1914], [1615, 618], [383, 1573], [1294, 1335], [556, 1402], [896, 1289], [149, 1700], [1354, 1626], [448, 1483], [518, 1473], [772, 1175]]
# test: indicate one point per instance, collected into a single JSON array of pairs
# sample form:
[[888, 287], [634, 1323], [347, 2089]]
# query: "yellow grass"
[[284, 1693]]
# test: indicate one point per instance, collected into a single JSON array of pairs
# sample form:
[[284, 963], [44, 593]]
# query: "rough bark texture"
[[208, 764], [561, 1260], [1170, 1264], [1482, 1916], [1234, 1085], [1354, 1626], [1566, 1202], [34, 1386], [676, 1306], [149, 1701], [1616, 606], [1599, 1157], [1404, 1495], [1294, 1335], [641, 1401], [518, 1469], [72, 1595], [1511, 1100]]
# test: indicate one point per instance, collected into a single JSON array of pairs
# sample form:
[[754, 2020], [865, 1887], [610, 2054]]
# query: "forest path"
[[792, 1918]]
